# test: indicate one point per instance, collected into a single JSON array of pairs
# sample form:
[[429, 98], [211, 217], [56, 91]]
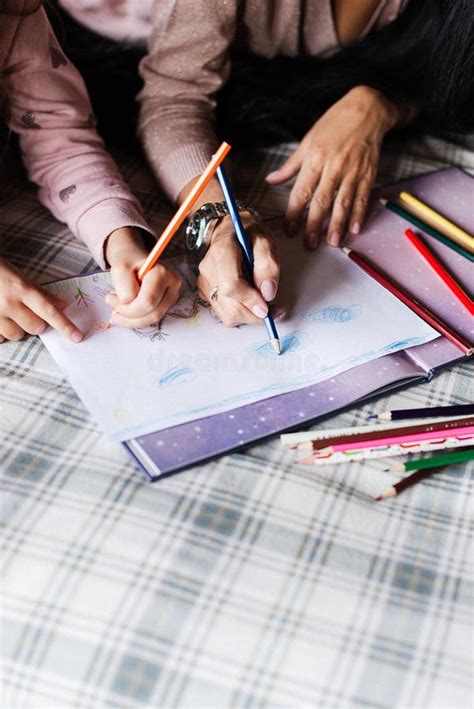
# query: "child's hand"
[[27, 309], [136, 305]]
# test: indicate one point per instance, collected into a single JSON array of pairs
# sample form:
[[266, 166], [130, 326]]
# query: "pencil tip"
[[276, 346], [346, 250], [391, 492], [383, 201]]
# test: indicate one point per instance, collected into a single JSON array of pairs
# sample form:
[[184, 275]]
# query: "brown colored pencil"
[[406, 482], [399, 431], [421, 310]]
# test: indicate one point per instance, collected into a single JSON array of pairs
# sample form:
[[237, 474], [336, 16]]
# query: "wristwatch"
[[204, 220]]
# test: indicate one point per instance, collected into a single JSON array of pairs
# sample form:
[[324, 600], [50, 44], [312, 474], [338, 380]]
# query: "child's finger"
[[29, 321], [9, 330], [112, 301], [41, 304], [60, 302], [152, 290], [168, 300], [125, 283]]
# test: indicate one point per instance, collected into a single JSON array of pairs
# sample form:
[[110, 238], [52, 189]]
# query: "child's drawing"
[[174, 372], [187, 310], [153, 333], [82, 298], [177, 375], [102, 286], [101, 326], [289, 343], [332, 314], [121, 413]]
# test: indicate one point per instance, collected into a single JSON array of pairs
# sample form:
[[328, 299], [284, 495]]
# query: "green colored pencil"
[[434, 461], [396, 209]]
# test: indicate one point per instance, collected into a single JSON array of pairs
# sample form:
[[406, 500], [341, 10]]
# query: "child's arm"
[[78, 181]]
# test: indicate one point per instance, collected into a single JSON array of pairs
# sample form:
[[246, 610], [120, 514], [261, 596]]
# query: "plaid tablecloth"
[[244, 582]]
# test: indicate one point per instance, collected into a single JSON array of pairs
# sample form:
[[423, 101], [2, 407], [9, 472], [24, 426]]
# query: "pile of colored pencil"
[[449, 429], [431, 222]]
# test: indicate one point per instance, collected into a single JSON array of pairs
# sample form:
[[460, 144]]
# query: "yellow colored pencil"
[[438, 221]]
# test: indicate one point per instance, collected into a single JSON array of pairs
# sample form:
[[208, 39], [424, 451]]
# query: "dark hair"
[[425, 58]]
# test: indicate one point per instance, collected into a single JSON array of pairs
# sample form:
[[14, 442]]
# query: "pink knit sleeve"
[[188, 61], [49, 109]]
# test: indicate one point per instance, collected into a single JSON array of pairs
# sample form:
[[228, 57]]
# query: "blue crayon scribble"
[[332, 314], [289, 343], [316, 375], [177, 375]]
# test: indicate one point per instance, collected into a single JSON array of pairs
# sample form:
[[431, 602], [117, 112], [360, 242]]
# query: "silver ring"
[[213, 293]]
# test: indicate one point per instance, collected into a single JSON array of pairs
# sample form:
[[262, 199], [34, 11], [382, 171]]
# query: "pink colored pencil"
[[394, 440], [387, 452]]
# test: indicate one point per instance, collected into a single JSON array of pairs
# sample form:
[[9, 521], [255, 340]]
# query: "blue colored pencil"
[[246, 248]]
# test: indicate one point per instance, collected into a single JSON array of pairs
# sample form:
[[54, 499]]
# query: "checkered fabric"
[[248, 581]]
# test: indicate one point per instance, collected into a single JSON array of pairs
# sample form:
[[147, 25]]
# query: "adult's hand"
[[238, 301], [336, 163]]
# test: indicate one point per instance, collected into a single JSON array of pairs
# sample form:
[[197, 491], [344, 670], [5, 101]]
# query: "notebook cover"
[[382, 241]]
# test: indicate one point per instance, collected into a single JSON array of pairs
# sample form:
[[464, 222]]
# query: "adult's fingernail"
[[259, 311], [77, 336], [292, 228], [271, 175], [355, 228], [268, 290], [334, 238], [312, 240], [279, 314]]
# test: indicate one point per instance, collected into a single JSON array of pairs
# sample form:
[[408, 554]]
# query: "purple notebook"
[[450, 192]]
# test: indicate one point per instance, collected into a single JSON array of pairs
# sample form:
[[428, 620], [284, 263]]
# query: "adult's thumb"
[[287, 170]]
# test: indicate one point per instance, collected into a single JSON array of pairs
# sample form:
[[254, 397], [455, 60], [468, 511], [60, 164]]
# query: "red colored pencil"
[[436, 265], [423, 312]]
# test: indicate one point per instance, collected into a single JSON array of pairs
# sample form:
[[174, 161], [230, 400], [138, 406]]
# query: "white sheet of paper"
[[189, 365]]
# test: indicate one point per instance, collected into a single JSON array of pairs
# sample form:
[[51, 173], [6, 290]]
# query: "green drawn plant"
[[82, 298]]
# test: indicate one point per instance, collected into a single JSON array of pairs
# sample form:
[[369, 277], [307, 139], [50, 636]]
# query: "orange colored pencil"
[[436, 265], [183, 211]]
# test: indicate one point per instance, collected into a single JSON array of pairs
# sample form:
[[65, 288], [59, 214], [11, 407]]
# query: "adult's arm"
[[187, 63]]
